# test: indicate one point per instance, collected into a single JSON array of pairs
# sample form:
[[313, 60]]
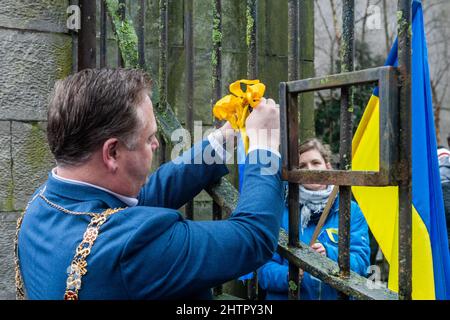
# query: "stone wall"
[[35, 51]]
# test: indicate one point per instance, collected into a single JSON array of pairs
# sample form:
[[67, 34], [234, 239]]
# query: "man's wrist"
[[219, 140]]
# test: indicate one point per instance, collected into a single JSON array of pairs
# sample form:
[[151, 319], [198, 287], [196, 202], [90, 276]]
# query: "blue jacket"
[[273, 276], [150, 251]]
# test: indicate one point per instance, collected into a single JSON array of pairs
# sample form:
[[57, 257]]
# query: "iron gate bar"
[[293, 39], [339, 80], [216, 59], [335, 177], [252, 73], [225, 194], [121, 14], [328, 271], [405, 198], [163, 52], [284, 134], [217, 74], [163, 71], [217, 91], [345, 150], [252, 43], [87, 41], [293, 197], [103, 34], [216, 62], [140, 33], [189, 82]]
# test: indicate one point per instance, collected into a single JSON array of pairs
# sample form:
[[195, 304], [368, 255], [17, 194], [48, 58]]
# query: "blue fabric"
[[273, 276], [426, 191], [150, 251], [240, 153]]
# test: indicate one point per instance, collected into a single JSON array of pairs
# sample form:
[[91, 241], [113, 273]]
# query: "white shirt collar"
[[129, 201]]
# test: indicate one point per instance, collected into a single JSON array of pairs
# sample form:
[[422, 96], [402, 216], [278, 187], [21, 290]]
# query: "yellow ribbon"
[[235, 106]]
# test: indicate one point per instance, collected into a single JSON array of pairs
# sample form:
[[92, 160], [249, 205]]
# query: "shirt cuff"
[[218, 143]]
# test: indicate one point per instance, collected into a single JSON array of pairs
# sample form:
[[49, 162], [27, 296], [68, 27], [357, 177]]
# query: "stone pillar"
[[35, 51]]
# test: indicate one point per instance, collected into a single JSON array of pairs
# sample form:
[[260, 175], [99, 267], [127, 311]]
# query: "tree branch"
[[335, 23], [324, 20]]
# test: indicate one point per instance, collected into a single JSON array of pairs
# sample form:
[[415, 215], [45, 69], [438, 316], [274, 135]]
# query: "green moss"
[[399, 16], [217, 37], [127, 42], [125, 35], [217, 41], [250, 25], [292, 286], [403, 25], [36, 152], [121, 6], [214, 59], [9, 201], [63, 58], [344, 49], [216, 33], [214, 65]]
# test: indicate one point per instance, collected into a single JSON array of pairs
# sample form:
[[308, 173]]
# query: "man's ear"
[[110, 153], [329, 167]]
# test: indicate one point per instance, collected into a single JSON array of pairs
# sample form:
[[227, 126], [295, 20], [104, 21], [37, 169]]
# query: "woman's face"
[[313, 160]]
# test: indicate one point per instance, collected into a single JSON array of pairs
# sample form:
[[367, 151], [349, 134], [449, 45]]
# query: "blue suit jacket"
[[150, 251], [273, 276]]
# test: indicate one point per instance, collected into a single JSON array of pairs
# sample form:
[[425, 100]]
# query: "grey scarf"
[[312, 204]]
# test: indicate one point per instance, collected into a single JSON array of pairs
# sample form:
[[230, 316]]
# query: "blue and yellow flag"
[[430, 253]]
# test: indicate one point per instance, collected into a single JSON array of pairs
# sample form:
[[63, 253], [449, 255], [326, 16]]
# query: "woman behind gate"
[[273, 276]]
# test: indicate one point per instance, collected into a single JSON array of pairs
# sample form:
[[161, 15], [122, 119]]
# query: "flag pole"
[[324, 215]]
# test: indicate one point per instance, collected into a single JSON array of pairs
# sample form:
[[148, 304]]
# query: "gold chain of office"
[[78, 266]]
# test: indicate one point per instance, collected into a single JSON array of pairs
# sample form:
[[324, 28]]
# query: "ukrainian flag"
[[430, 254]]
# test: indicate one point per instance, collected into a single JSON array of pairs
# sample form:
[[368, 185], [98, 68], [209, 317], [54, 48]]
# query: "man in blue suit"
[[101, 228]]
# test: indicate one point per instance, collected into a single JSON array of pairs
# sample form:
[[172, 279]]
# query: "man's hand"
[[225, 134], [263, 126], [319, 248]]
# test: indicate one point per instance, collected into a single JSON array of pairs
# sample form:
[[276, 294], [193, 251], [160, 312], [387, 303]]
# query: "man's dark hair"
[[91, 106]]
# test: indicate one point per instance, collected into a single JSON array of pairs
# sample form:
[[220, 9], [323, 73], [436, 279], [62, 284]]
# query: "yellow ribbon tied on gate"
[[235, 107]]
